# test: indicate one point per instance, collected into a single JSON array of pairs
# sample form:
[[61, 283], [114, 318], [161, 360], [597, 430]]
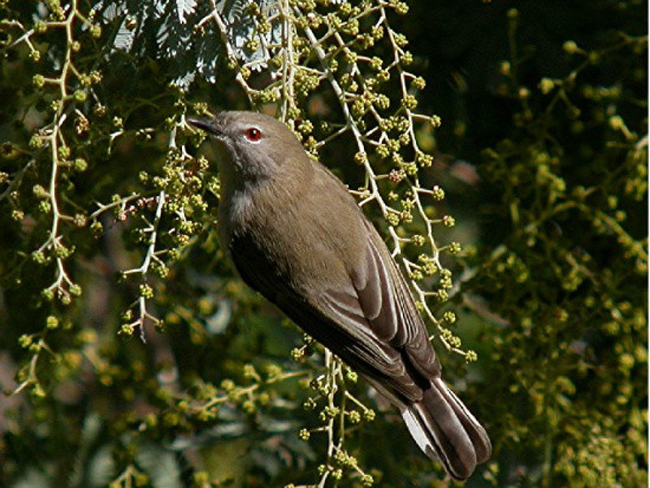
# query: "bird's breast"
[[306, 231]]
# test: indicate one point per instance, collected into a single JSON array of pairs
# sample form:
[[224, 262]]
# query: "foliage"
[[108, 210], [569, 280]]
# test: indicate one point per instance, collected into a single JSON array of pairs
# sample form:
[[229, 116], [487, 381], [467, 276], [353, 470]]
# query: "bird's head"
[[257, 145]]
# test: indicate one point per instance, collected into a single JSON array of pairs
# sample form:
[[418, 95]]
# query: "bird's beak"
[[207, 125]]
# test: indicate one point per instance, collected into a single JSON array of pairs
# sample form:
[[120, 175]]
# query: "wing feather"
[[370, 320], [377, 309], [398, 322]]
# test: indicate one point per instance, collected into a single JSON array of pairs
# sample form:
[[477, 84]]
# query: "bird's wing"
[[377, 309], [388, 305], [370, 321]]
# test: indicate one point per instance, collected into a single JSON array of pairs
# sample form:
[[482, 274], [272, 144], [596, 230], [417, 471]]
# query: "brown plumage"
[[296, 235]]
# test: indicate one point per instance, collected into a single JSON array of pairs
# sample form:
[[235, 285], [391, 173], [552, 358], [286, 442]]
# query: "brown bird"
[[296, 235]]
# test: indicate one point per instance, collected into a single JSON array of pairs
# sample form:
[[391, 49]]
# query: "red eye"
[[253, 134]]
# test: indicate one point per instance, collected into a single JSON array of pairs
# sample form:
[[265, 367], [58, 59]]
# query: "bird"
[[296, 235]]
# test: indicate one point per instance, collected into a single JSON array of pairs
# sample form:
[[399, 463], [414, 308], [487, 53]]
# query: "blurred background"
[[132, 355]]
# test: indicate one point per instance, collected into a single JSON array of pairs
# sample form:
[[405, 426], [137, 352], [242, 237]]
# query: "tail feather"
[[446, 430]]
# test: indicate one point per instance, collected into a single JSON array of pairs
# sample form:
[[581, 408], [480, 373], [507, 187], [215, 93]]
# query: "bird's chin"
[[219, 138]]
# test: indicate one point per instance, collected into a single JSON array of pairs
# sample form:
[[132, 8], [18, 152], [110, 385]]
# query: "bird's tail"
[[446, 430]]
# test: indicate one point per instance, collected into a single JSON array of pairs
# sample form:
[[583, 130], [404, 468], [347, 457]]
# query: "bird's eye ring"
[[253, 134]]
